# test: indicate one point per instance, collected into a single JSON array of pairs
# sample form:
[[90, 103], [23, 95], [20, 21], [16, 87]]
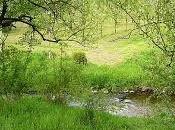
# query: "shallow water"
[[113, 105], [127, 107]]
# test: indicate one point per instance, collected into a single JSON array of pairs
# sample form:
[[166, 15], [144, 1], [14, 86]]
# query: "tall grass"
[[33, 113], [123, 76]]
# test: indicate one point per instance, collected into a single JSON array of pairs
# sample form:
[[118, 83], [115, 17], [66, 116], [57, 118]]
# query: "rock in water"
[[122, 96]]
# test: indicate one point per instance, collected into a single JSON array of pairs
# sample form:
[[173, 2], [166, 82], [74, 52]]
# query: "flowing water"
[[122, 105], [129, 107]]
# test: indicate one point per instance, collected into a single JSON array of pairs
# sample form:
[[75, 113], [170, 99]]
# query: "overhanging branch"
[[33, 27]]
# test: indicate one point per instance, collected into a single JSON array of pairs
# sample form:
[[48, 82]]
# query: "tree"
[[60, 18], [115, 13], [155, 20], [55, 21]]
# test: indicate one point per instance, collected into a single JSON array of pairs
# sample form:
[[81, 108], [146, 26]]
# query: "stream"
[[121, 104], [115, 106]]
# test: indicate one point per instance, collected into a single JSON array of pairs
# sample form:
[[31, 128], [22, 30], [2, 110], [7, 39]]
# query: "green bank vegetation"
[[55, 48]]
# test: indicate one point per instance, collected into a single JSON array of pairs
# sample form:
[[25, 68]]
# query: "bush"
[[80, 58], [158, 73], [13, 71], [53, 77], [23, 72], [7, 29]]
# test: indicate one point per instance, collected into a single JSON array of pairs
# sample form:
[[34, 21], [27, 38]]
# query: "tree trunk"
[[115, 26], [101, 30], [126, 23]]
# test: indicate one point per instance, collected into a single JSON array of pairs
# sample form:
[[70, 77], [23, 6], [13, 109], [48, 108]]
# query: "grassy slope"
[[106, 51], [114, 61], [36, 114]]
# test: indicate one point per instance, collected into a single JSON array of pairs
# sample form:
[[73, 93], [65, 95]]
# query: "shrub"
[[23, 72], [80, 58], [12, 70], [53, 77], [158, 73], [7, 29]]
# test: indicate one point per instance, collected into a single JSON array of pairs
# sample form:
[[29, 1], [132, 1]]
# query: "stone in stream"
[[122, 96], [131, 91], [147, 90], [127, 101], [75, 104]]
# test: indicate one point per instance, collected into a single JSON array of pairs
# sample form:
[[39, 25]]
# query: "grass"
[[148, 69], [106, 50], [33, 113], [119, 64], [115, 52], [124, 76], [44, 74]]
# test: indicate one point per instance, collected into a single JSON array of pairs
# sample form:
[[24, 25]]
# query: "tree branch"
[[138, 26], [38, 5], [3, 12], [33, 27]]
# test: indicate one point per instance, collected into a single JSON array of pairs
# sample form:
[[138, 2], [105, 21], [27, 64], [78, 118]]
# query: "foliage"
[[23, 72], [13, 70], [150, 69], [81, 21], [158, 73], [54, 21], [80, 58], [154, 19]]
